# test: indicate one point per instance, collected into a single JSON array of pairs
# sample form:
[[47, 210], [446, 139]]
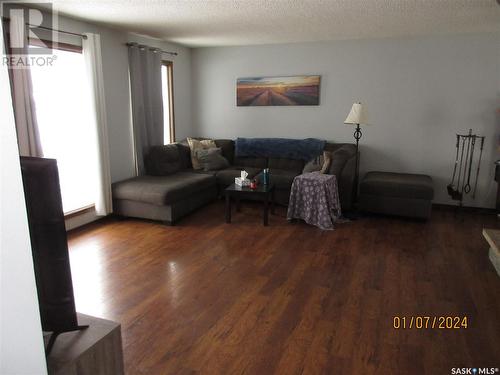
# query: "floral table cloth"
[[314, 198]]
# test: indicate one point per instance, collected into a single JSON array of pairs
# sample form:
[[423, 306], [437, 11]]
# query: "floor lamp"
[[357, 116]]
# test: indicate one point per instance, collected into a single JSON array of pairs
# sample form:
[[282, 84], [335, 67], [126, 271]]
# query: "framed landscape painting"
[[277, 91]]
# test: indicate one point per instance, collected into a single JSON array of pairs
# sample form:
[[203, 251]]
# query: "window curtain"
[[146, 98], [93, 62], [28, 136]]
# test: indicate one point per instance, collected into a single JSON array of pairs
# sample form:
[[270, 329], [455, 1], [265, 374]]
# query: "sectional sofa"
[[171, 188]]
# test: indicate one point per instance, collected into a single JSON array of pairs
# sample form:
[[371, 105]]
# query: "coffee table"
[[264, 193]]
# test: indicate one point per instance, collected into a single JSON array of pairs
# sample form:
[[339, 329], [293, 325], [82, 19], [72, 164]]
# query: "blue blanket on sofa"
[[299, 149]]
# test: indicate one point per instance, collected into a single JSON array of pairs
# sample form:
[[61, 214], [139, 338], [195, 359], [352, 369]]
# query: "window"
[[63, 108], [167, 84]]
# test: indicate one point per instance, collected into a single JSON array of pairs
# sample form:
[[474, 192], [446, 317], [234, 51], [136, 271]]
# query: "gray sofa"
[[172, 189]]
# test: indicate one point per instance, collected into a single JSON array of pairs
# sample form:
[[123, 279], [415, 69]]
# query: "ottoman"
[[400, 194]]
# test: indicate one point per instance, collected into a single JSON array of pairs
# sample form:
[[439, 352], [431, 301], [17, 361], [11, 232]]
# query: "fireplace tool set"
[[464, 160]]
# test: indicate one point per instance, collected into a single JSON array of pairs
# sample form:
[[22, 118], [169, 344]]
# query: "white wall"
[[21, 342], [419, 92]]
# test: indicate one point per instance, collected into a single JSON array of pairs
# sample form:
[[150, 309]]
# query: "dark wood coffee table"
[[264, 193]]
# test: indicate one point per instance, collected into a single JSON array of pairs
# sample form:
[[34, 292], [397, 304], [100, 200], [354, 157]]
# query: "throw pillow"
[[195, 145], [211, 159], [319, 164], [162, 160]]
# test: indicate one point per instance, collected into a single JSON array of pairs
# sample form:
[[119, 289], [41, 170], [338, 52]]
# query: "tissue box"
[[242, 182]]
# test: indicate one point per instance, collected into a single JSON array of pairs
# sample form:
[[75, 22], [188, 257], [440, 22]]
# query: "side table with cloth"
[[314, 198]]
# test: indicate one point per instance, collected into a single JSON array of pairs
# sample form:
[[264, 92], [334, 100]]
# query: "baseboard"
[[99, 220], [468, 209]]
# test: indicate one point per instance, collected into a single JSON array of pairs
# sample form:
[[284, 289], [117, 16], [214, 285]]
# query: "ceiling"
[[197, 23]]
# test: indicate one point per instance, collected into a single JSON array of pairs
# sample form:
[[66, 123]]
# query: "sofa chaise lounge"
[[172, 189]]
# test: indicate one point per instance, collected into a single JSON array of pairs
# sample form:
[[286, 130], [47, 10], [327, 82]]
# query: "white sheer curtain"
[[147, 104], [28, 137], [93, 61]]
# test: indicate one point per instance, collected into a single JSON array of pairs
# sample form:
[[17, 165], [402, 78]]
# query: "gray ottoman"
[[400, 194]]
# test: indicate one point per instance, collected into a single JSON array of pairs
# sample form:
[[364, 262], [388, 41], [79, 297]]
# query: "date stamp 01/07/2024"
[[430, 322]]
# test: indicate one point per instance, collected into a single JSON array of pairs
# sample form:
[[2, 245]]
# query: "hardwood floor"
[[215, 298]]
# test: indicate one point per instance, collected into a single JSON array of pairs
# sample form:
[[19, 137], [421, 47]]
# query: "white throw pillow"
[[194, 146]]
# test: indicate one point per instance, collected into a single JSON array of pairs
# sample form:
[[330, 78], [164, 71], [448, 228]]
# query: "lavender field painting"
[[277, 91]]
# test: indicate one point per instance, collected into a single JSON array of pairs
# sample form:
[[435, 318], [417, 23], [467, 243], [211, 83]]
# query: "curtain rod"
[[59, 31], [50, 29], [134, 44]]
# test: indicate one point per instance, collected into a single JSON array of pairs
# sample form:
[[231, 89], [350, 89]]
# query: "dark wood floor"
[[240, 298]]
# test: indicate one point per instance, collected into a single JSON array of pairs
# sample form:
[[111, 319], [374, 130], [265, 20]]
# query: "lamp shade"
[[357, 115]]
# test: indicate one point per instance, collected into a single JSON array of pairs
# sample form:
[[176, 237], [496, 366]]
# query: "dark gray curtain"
[[147, 107]]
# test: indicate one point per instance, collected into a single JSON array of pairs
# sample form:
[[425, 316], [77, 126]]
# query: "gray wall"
[[418, 91]]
